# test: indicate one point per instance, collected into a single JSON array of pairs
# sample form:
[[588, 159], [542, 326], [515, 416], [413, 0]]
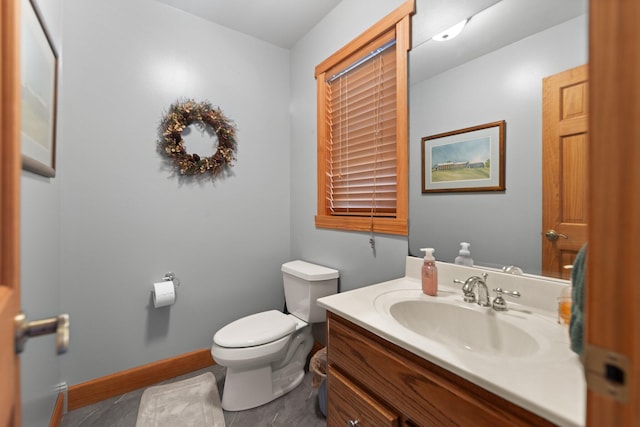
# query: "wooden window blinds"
[[363, 130]]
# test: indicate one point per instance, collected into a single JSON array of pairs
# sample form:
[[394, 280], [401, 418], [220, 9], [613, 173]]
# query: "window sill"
[[380, 225]]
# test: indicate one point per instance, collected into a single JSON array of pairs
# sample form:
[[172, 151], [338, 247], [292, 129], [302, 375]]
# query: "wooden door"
[[613, 296], [564, 169], [9, 210]]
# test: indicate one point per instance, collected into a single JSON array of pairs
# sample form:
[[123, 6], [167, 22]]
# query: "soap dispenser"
[[429, 273], [464, 256]]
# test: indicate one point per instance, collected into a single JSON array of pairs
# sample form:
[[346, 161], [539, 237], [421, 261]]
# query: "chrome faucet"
[[483, 291], [483, 298], [512, 269]]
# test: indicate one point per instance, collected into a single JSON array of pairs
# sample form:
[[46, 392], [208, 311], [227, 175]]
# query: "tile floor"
[[297, 408]]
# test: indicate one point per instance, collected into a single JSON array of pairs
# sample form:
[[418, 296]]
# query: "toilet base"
[[238, 397], [249, 388]]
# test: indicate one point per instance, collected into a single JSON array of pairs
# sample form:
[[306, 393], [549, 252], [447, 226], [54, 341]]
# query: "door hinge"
[[607, 372]]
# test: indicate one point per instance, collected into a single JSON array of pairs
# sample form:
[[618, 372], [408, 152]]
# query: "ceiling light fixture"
[[450, 33]]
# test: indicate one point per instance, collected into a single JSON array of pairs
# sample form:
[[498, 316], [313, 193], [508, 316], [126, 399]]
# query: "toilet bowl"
[[265, 353]]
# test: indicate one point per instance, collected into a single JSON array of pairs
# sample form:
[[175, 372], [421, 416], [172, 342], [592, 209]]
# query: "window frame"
[[397, 22]]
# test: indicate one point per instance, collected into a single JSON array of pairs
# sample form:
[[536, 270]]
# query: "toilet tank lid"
[[310, 272], [255, 329]]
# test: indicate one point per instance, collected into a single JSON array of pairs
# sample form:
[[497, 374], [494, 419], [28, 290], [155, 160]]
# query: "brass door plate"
[[607, 372]]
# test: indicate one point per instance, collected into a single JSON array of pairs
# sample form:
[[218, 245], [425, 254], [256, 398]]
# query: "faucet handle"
[[499, 303]]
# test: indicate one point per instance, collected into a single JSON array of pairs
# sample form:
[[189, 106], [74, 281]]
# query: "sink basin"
[[475, 329]]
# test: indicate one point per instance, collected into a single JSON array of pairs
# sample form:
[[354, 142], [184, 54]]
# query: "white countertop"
[[550, 384]]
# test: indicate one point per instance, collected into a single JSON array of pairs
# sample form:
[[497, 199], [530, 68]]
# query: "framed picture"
[[470, 159], [38, 76]]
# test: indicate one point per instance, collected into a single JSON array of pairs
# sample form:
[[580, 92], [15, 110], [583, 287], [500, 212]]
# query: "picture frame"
[[470, 159], [38, 86]]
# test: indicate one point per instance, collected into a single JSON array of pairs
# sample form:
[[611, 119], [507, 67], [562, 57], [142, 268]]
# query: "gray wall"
[[40, 267], [349, 252], [40, 293], [503, 228], [126, 220]]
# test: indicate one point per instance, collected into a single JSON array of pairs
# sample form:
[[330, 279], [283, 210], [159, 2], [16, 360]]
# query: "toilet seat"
[[254, 330]]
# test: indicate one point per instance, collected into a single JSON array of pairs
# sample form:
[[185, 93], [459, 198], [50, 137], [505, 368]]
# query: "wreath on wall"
[[184, 113]]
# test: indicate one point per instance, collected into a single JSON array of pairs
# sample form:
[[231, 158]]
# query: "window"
[[362, 130]]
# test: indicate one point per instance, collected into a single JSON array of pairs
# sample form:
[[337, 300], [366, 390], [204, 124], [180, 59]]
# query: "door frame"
[[10, 166]]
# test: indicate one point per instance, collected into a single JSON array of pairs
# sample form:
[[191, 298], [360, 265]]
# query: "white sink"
[[474, 329], [467, 328]]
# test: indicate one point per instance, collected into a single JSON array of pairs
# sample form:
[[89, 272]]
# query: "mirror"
[[492, 71]]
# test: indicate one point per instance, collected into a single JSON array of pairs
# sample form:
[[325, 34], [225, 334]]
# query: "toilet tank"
[[304, 283]]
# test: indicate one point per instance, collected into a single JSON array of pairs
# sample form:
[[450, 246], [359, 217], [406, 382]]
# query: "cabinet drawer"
[[348, 403]]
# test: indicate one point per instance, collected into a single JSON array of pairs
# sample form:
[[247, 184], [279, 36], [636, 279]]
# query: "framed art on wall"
[[470, 159], [38, 94]]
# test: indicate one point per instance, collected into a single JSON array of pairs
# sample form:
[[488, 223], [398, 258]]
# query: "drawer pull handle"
[[354, 423]]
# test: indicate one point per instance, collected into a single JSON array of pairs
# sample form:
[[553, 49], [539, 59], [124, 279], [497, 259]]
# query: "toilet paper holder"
[[168, 277], [164, 292]]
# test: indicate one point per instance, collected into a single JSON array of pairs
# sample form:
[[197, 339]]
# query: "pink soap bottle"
[[429, 273]]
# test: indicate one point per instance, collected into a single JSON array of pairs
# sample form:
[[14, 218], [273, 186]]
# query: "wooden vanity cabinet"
[[350, 404], [378, 383]]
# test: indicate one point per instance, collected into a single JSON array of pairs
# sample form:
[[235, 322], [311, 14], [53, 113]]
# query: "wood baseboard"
[[58, 411], [93, 391]]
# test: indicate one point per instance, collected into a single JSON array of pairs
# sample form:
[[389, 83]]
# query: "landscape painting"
[[470, 159], [38, 85]]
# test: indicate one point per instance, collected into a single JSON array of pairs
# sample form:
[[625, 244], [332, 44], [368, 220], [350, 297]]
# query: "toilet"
[[265, 353]]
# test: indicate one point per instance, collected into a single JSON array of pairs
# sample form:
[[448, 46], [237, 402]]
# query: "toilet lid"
[[256, 329]]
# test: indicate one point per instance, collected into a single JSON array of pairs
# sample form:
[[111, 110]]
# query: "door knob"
[[25, 329], [553, 235]]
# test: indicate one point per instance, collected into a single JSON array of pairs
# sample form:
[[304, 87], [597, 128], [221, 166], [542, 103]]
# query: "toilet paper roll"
[[164, 294]]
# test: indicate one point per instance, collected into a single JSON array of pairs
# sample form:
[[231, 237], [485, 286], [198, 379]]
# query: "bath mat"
[[191, 402]]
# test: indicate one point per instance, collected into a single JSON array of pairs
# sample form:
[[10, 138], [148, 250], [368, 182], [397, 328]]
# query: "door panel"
[[564, 169], [612, 316]]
